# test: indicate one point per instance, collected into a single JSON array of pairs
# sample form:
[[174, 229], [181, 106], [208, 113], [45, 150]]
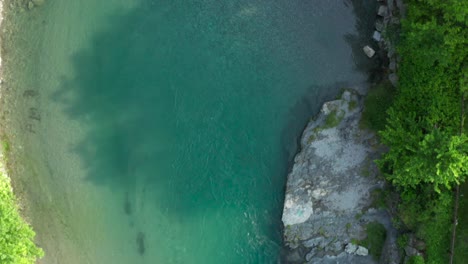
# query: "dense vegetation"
[[16, 236], [428, 153]]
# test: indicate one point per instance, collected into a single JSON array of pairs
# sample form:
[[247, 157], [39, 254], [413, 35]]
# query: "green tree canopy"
[[16, 236], [423, 126]]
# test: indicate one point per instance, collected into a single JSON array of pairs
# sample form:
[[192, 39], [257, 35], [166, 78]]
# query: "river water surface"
[[154, 131]]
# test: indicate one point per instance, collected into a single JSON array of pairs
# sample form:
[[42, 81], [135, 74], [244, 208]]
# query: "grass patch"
[[311, 138], [348, 227], [376, 104], [376, 235], [322, 232], [333, 119], [352, 105], [379, 198], [5, 144]]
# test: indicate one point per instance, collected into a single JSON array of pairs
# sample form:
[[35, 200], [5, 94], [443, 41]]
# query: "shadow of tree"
[[155, 131]]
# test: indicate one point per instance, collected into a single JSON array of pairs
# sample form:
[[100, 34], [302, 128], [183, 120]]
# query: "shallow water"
[[161, 131]]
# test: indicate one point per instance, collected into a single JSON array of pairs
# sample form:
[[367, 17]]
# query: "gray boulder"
[[379, 26], [383, 11], [393, 78], [377, 36]]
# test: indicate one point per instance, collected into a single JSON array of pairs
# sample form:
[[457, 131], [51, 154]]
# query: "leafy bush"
[[416, 260], [16, 236], [377, 101]]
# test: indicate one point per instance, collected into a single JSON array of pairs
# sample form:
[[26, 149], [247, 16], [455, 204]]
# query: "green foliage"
[[16, 236], [402, 241], [429, 215], [416, 260], [376, 235], [377, 101], [435, 158], [427, 153], [435, 227], [5, 146], [423, 124]]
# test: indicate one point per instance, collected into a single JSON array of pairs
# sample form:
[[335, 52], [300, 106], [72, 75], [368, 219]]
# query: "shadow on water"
[[130, 96], [159, 93], [160, 90]]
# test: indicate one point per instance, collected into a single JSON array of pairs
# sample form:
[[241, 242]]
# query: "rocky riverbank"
[[329, 196], [331, 212]]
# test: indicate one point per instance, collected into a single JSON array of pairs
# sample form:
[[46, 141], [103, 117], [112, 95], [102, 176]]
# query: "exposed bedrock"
[[328, 194]]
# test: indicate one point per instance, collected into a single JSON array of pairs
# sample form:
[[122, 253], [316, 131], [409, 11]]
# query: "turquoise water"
[[161, 131]]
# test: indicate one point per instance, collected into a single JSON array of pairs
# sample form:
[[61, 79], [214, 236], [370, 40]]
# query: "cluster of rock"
[[386, 25], [414, 247], [328, 194], [23, 5], [34, 3]]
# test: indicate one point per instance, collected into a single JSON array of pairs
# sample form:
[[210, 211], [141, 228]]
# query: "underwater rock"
[[34, 114], [30, 93], [140, 240], [127, 205]]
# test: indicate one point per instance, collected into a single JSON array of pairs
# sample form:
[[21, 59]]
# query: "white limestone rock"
[[356, 250], [370, 52], [351, 248], [362, 251], [297, 208]]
